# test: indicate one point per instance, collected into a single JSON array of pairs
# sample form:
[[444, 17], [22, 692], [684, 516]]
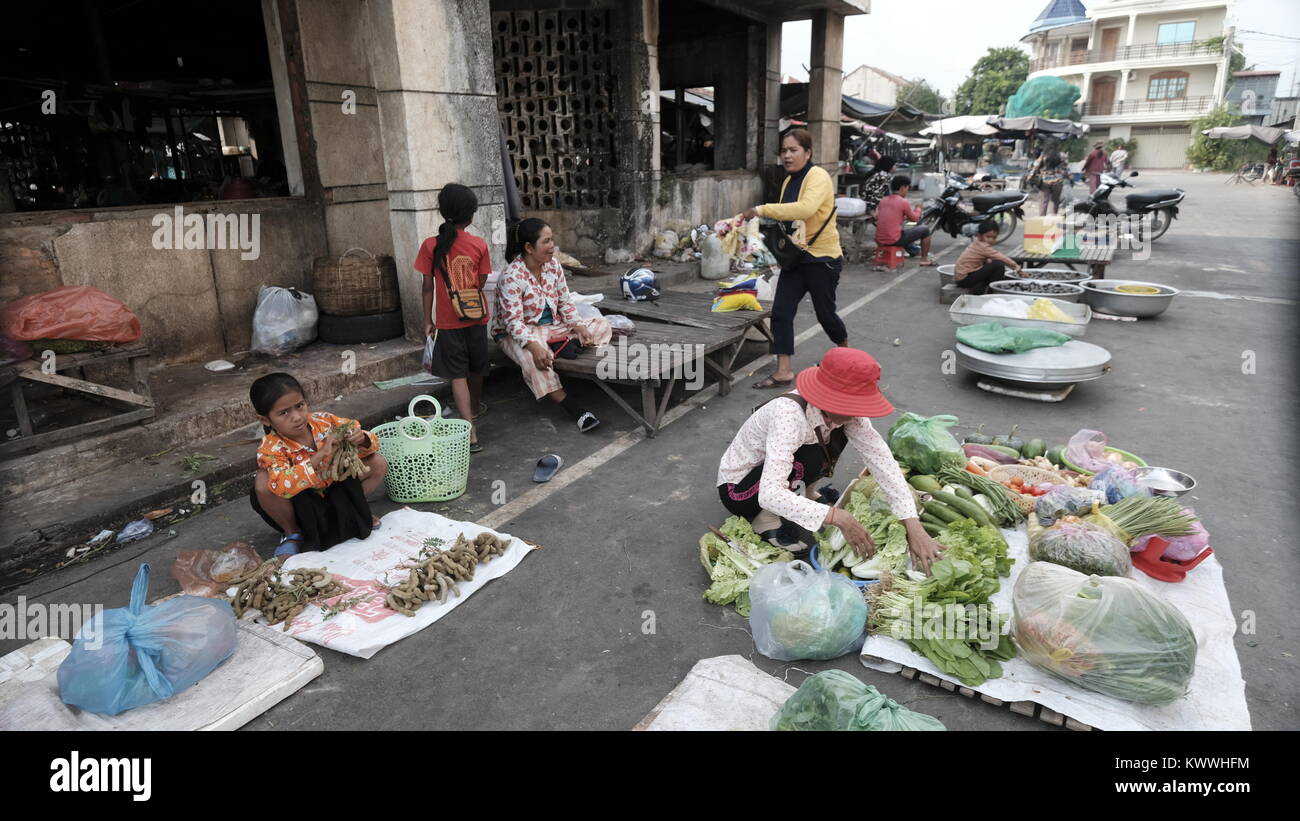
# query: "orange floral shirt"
[[288, 462]]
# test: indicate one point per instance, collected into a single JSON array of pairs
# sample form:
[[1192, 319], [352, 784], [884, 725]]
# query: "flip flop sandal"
[[769, 383], [475, 447], [482, 410], [588, 422], [286, 546], [547, 467]]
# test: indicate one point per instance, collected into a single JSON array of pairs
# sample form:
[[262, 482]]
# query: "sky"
[[939, 40]]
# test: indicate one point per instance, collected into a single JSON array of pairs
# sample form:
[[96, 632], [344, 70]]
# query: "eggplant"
[[988, 453]]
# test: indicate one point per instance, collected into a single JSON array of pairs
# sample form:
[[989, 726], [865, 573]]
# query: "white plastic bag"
[[284, 321], [427, 362], [586, 305], [799, 613], [618, 322], [850, 206]]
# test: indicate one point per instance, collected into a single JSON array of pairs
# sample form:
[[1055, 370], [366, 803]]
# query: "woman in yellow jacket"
[[808, 201]]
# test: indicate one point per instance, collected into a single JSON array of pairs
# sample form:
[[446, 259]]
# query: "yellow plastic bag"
[[1046, 310], [736, 302]]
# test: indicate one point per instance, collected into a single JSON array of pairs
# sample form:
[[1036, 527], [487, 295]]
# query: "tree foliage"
[[1217, 153], [922, 95], [992, 81]]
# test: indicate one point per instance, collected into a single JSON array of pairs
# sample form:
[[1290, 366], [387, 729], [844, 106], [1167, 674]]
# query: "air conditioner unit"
[[1132, 74]]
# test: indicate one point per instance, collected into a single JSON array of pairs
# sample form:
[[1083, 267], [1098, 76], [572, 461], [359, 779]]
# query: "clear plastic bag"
[[285, 320], [1087, 449], [427, 361], [925, 445], [1063, 500], [620, 323], [129, 657], [1082, 547], [1118, 483], [799, 613], [1103, 633], [209, 573], [835, 700]]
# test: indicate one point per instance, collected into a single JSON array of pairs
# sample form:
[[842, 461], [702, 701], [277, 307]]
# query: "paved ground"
[[558, 642]]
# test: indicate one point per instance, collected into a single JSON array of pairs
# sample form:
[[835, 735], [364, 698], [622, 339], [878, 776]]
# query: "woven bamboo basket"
[[355, 285]]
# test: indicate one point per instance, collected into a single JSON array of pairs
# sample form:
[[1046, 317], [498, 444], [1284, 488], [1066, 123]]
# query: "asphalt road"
[[559, 644]]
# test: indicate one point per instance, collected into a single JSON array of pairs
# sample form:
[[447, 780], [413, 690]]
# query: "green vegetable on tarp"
[[925, 444], [732, 570], [836, 700], [1103, 633], [995, 337], [887, 532]]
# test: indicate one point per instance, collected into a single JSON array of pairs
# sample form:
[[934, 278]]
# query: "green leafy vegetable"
[[731, 569]]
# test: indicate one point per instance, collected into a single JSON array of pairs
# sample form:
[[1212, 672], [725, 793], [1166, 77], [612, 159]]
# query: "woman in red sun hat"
[[768, 472]]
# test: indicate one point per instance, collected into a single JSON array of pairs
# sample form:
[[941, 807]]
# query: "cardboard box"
[[1044, 235]]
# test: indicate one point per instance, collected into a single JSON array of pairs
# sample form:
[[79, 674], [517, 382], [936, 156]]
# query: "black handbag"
[[782, 245]]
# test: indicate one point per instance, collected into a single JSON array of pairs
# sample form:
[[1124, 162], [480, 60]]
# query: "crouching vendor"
[[769, 471]]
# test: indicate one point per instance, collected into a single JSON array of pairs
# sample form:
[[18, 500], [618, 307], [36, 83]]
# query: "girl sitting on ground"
[[535, 317], [290, 492]]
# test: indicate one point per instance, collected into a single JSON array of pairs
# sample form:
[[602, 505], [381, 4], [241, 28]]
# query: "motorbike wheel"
[[1006, 225], [1160, 221]]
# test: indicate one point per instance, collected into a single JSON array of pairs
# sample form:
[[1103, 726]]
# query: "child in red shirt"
[[460, 346]]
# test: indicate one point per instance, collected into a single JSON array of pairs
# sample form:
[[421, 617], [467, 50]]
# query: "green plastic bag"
[[925, 445], [995, 337], [835, 700]]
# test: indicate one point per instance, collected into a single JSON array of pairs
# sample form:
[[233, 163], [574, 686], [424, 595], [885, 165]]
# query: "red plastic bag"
[[71, 312]]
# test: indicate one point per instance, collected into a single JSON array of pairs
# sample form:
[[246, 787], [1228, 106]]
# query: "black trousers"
[[342, 513], [741, 498], [818, 279], [977, 281]]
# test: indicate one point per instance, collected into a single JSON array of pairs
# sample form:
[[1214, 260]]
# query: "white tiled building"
[[1146, 68]]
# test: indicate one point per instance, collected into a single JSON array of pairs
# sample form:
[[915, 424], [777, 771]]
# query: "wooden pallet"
[[1024, 708]]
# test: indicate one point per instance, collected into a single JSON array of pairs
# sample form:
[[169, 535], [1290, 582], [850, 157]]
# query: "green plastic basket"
[[428, 459]]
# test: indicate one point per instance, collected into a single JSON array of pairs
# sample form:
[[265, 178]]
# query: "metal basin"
[[1165, 481], [1067, 364], [1104, 295], [1073, 292], [1056, 275], [946, 274]]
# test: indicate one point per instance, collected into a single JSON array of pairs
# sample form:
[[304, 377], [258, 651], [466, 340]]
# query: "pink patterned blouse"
[[521, 300], [771, 436]]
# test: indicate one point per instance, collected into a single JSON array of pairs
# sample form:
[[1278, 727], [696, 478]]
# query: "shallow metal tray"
[[1067, 364], [966, 310]]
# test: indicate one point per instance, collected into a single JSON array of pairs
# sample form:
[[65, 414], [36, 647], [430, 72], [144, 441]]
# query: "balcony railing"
[[1182, 105], [1142, 51]]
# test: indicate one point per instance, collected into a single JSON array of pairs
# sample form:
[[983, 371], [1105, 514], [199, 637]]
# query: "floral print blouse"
[[522, 300], [288, 462]]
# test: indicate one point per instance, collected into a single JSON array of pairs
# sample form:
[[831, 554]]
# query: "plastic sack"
[[924, 444], [427, 360], [799, 613], [284, 320], [1087, 449], [71, 312], [1118, 483], [129, 657], [1181, 548], [210, 573], [1103, 633], [715, 264], [1083, 547], [850, 206], [835, 700], [620, 324], [1063, 500]]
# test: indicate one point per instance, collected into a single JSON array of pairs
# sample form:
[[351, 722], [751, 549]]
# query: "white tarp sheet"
[[1217, 696], [721, 693], [369, 566]]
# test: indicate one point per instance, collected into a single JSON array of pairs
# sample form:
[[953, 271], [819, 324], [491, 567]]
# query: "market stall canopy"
[[1263, 133], [1040, 124], [903, 119], [969, 124]]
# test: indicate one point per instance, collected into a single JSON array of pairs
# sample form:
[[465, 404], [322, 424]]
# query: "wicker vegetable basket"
[[355, 285]]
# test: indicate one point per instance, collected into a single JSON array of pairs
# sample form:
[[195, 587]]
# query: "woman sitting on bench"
[[535, 320]]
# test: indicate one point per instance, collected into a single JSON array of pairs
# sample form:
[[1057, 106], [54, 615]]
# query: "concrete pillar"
[[772, 98], [825, 82], [1087, 87], [635, 27], [432, 68], [1121, 93], [755, 95], [1132, 24]]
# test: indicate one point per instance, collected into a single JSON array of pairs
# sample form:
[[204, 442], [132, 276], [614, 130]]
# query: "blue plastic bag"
[[129, 657]]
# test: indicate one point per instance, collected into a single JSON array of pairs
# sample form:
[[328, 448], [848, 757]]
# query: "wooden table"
[[1095, 258], [139, 403], [656, 357]]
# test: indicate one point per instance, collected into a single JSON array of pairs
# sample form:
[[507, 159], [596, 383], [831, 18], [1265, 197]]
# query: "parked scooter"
[[948, 214], [1160, 205]]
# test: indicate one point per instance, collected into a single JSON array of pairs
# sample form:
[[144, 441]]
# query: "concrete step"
[[39, 529]]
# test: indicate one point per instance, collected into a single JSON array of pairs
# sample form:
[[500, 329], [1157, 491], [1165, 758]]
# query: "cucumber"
[[933, 530], [1034, 447], [930, 519], [964, 492], [964, 507], [942, 512], [1005, 451], [925, 484]]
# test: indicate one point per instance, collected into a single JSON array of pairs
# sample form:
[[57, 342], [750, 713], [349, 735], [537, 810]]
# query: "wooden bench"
[[1096, 259], [654, 359], [138, 401]]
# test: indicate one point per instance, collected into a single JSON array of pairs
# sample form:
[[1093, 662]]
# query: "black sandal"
[[771, 382]]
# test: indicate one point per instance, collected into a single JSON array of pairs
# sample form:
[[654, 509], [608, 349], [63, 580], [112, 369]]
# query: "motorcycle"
[[948, 214], [1160, 205]]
